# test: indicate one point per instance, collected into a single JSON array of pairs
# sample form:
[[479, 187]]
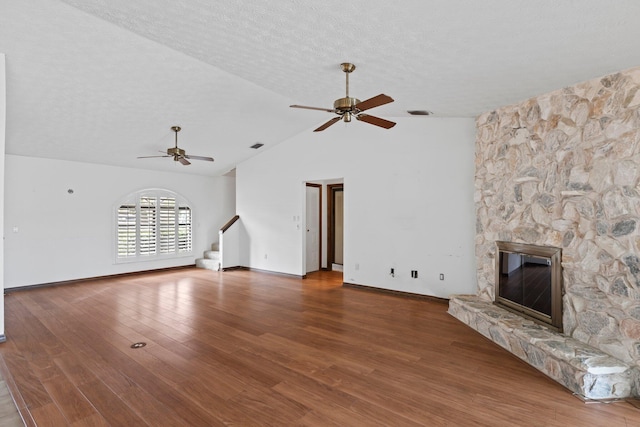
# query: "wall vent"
[[256, 145], [420, 112]]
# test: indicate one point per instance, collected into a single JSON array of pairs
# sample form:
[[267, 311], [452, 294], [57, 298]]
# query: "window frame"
[[163, 237]]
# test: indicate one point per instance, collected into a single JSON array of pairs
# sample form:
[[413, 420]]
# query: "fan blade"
[[375, 121], [190, 157], [151, 157], [376, 101], [328, 110], [329, 123], [184, 161]]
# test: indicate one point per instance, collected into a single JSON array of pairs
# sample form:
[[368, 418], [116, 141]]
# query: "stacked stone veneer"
[[563, 170]]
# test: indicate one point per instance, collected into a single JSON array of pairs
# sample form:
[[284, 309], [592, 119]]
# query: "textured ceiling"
[[102, 82]]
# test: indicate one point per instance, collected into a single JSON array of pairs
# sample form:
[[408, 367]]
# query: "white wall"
[[62, 236], [230, 246], [408, 202], [3, 122]]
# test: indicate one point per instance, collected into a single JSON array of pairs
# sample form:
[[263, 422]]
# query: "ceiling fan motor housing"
[[175, 151], [345, 104]]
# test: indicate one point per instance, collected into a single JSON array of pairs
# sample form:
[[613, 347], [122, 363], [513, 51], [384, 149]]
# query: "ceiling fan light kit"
[[346, 108], [178, 154]]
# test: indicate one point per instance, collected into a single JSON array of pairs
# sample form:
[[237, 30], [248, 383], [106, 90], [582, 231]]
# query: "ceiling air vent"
[[256, 145], [419, 112]]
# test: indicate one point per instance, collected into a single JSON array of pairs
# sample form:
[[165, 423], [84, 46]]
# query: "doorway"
[[335, 229]]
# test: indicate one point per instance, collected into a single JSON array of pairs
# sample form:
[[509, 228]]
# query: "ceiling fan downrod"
[[348, 68], [176, 129]]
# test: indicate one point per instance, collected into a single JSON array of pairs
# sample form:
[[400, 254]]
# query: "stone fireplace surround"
[[563, 169]]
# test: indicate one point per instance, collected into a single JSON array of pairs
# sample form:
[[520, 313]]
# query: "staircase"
[[211, 260]]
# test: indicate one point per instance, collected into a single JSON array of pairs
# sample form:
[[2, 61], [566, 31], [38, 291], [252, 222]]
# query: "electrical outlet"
[[441, 276], [392, 272], [265, 256], [357, 266], [414, 274]]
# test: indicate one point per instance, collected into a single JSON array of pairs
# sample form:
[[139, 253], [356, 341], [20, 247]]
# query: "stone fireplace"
[[563, 170]]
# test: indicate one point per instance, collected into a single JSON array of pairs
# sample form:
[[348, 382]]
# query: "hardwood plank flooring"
[[251, 348]]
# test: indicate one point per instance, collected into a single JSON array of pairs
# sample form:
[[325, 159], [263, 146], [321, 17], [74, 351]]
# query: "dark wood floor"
[[248, 348]]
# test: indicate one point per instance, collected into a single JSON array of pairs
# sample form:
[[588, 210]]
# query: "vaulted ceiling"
[[103, 81]]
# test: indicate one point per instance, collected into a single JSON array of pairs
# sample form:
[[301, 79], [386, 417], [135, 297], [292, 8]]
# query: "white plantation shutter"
[[127, 231], [154, 224], [184, 229], [147, 225], [167, 225]]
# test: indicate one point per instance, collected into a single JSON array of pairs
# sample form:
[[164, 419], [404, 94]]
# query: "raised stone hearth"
[[585, 370]]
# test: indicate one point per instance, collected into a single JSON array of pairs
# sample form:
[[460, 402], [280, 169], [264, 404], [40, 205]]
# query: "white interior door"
[[313, 228], [338, 207]]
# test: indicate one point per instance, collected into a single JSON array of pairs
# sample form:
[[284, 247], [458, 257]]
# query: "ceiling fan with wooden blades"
[[349, 107], [178, 154]]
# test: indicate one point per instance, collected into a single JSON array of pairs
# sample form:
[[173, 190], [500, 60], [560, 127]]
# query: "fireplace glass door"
[[526, 280], [529, 281]]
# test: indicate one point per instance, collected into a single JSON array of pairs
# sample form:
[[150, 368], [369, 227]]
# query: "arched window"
[[152, 224]]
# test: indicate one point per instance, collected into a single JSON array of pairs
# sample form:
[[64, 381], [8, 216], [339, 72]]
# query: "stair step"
[[209, 264], [215, 246], [212, 255]]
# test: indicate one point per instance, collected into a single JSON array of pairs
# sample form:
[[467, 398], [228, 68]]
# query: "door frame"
[[331, 215]]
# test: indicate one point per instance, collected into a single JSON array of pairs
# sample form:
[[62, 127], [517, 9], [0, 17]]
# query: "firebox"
[[529, 282]]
